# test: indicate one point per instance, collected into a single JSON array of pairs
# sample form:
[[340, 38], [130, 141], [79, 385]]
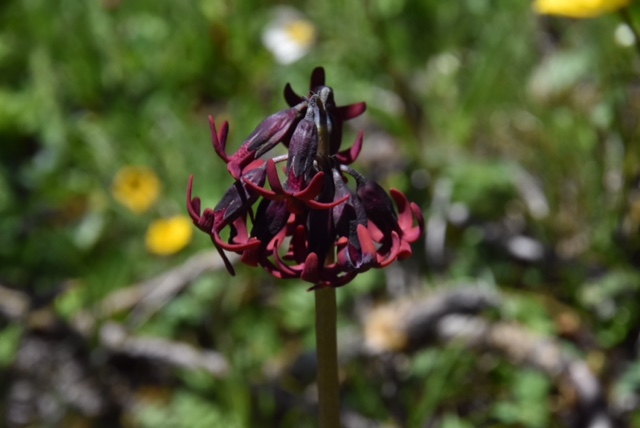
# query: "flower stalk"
[[327, 352], [326, 319]]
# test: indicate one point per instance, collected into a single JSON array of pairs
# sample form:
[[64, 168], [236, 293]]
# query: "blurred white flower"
[[624, 36], [289, 35]]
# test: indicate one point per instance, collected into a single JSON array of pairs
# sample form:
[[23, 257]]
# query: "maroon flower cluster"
[[309, 225]]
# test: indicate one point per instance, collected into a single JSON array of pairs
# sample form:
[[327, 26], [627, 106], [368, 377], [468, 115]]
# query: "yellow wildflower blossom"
[[579, 8], [135, 187], [169, 235]]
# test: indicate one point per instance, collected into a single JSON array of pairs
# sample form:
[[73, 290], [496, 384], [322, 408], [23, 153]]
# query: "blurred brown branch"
[[115, 338], [147, 297], [451, 316], [143, 299]]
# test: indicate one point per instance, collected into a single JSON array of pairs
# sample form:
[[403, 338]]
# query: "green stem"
[[327, 349]]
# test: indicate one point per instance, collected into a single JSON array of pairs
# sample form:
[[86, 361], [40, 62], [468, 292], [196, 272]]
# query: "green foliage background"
[[481, 98]]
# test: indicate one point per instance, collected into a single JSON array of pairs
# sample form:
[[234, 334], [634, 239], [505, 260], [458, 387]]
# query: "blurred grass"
[[471, 93]]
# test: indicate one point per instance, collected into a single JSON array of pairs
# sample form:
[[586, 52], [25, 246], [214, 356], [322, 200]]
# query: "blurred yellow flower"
[[579, 8], [169, 235], [136, 187]]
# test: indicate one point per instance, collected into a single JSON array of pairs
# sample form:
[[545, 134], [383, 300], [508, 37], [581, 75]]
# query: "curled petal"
[[282, 266], [343, 280], [317, 78], [324, 205], [261, 191], [404, 252], [305, 195], [351, 111], [277, 192], [204, 221], [367, 247], [406, 212], [291, 97], [313, 189], [298, 245], [193, 204], [219, 142], [275, 271], [419, 218], [378, 206], [277, 239], [334, 281], [240, 232], [272, 177], [392, 255], [249, 246], [311, 269], [251, 257], [244, 246], [347, 157], [405, 216], [255, 171]]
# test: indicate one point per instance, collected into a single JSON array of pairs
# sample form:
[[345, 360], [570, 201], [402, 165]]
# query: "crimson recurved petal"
[[295, 199], [347, 157], [219, 141]]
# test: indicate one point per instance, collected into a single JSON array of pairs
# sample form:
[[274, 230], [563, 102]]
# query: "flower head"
[[579, 8], [136, 187], [168, 235], [309, 223]]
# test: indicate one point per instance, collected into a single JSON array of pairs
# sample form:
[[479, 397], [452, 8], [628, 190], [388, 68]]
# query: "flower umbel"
[[309, 224]]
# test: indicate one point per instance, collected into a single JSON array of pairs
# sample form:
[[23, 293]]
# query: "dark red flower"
[[310, 226]]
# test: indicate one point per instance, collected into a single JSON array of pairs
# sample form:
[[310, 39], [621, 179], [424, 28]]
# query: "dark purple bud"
[[238, 199], [302, 150], [271, 218], [236, 203], [378, 206], [268, 134], [328, 129], [320, 224], [343, 213], [350, 221]]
